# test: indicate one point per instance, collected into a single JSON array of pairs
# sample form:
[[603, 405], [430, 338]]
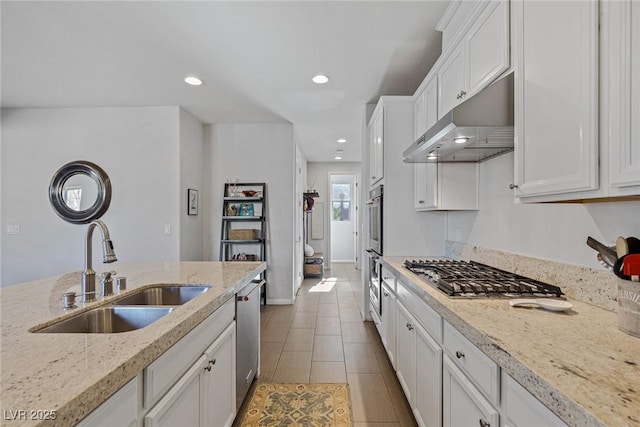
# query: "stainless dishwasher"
[[247, 338]]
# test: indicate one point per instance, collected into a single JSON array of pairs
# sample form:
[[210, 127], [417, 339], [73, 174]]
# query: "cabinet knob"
[[512, 186], [409, 327], [385, 294], [484, 423], [459, 354], [462, 94], [421, 202]]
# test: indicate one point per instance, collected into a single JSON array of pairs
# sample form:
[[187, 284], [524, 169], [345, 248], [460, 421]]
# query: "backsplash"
[[595, 287]]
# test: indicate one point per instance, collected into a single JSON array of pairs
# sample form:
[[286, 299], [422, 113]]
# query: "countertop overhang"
[[72, 374], [578, 363]]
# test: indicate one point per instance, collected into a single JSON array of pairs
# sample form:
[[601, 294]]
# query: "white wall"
[[318, 177], [191, 164], [256, 153], [556, 231], [139, 149]]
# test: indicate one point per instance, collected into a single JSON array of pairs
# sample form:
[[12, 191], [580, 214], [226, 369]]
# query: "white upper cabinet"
[[425, 111], [623, 85], [577, 99], [481, 56], [488, 46], [453, 81], [376, 145], [556, 97], [446, 186]]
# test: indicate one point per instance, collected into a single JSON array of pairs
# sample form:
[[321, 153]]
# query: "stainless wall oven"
[[374, 205], [374, 248]]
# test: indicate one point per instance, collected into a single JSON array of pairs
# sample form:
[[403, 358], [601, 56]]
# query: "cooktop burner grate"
[[472, 279]]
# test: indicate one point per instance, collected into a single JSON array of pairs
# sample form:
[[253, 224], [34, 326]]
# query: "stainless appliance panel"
[[375, 285], [374, 205], [247, 338]]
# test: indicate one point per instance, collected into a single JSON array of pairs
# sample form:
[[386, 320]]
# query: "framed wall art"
[[192, 202]]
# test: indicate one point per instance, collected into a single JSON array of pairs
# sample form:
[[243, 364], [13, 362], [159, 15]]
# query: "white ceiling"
[[256, 59]]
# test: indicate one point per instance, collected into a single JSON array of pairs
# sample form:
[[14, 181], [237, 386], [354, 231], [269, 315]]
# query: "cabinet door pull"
[[409, 327], [462, 94], [385, 294], [459, 354], [513, 186], [420, 202], [484, 423]]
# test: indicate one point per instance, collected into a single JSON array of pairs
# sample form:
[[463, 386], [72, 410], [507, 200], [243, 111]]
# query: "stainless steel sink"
[[162, 295], [109, 320]]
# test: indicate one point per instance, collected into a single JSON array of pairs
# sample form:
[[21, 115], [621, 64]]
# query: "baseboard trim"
[[279, 301]]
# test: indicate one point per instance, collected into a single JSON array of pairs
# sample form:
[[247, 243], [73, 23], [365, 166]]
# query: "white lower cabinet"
[[205, 395], [193, 383], [447, 380], [427, 405], [388, 333], [419, 368], [182, 405], [521, 409], [406, 354], [463, 404], [120, 410]]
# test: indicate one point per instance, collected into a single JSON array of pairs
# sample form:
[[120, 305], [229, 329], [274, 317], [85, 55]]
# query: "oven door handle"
[[373, 253]]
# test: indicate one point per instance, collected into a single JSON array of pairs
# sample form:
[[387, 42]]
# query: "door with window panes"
[[343, 218]]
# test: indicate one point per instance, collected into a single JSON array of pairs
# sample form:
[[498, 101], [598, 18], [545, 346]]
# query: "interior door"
[[342, 214]]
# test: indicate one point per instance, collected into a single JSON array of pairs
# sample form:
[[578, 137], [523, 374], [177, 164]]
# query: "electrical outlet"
[[13, 229]]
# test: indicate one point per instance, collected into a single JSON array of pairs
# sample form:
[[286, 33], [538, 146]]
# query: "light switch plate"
[[167, 229], [13, 229]]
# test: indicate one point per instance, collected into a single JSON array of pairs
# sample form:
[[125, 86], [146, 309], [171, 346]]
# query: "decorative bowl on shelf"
[[249, 193]]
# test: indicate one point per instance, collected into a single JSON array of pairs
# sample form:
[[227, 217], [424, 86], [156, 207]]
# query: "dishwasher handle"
[[246, 297]]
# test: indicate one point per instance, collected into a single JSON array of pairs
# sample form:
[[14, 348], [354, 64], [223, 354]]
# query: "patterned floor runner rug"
[[303, 405]]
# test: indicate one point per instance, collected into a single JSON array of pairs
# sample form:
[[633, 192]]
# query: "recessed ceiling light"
[[460, 140], [193, 81], [338, 158], [342, 141], [432, 156], [320, 79]]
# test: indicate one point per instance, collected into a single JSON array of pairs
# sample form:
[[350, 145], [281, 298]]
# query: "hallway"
[[322, 339]]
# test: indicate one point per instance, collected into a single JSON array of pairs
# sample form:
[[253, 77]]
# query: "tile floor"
[[322, 338]]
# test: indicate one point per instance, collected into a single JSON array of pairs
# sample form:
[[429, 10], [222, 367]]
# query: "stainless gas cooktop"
[[462, 279]]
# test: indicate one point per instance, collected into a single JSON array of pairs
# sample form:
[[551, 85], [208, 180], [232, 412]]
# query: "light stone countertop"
[[73, 374], [577, 363]]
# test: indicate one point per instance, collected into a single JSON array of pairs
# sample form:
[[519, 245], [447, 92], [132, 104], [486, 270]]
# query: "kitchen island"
[[577, 363], [58, 379]]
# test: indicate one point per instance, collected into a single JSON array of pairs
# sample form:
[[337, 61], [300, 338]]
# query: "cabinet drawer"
[[482, 371], [522, 409], [160, 375], [389, 279], [428, 318]]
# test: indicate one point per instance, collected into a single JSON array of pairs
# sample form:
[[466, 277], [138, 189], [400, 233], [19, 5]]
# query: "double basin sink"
[[131, 312]]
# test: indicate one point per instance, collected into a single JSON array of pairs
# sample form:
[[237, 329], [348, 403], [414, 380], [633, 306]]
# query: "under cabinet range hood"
[[476, 130]]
